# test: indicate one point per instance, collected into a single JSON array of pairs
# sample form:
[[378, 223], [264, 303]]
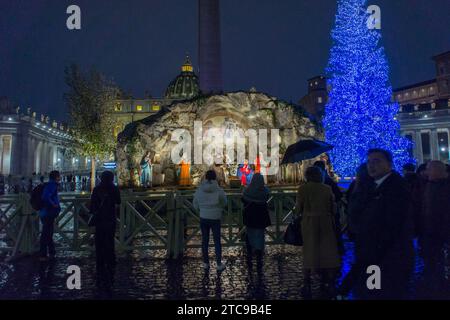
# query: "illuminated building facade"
[[31, 144], [425, 113]]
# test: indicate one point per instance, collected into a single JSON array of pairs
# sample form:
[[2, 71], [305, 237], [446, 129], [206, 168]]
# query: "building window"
[[319, 100], [156, 107], [444, 152], [118, 107], [426, 147], [139, 108]]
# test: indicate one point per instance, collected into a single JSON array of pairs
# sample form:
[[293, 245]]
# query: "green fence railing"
[[161, 220]]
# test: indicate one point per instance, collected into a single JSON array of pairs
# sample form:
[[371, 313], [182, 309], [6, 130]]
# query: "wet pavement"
[[150, 276]]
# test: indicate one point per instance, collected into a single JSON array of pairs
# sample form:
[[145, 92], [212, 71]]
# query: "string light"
[[359, 114]]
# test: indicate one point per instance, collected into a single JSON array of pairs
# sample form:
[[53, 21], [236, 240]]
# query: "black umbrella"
[[304, 150]]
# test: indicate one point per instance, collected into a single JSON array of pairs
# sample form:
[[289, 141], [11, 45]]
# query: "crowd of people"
[[385, 212], [104, 200], [68, 183]]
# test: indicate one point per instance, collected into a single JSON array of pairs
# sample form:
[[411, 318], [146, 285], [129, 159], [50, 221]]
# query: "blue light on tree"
[[360, 114]]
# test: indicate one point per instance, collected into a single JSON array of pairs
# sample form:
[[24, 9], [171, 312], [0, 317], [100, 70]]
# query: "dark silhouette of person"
[[434, 220], [48, 215], [357, 195], [104, 199], [384, 238], [415, 183]]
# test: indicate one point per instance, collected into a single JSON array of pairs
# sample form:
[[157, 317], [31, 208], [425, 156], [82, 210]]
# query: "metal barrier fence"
[[156, 220]]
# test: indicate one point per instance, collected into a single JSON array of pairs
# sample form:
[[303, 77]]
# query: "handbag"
[[293, 234]]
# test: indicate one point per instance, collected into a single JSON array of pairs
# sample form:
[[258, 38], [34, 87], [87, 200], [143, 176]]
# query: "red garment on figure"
[[258, 165], [245, 171]]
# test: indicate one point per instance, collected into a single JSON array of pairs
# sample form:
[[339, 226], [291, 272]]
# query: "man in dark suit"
[[385, 236]]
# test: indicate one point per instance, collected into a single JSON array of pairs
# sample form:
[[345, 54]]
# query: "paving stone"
[[140, 277]]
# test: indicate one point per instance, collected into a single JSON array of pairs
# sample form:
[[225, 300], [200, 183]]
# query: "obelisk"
[[209, 47]]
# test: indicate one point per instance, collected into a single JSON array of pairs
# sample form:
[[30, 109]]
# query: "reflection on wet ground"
[[148, 275]]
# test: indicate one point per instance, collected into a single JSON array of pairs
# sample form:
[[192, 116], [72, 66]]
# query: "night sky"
[[274, 45]]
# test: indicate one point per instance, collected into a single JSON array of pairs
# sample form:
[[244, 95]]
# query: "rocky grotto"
[[243, 110]]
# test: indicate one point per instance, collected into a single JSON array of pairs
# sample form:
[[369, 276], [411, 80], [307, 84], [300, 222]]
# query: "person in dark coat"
[[384, 238], [105, 197], [329, 182], [415, 183], [409, 173], [30, 186], [48, 214], [422, 171], [357, 196], [435, 221], [256, 218]]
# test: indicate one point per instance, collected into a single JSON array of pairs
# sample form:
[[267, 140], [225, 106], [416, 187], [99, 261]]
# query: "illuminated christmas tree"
[[360, 113]]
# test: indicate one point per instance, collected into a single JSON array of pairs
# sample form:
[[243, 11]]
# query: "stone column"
[[434, 145], [38, 147], [1, 155], [418, 152], [29, 155], [44, 157], [34, 152], [16, 156], [447, 147]]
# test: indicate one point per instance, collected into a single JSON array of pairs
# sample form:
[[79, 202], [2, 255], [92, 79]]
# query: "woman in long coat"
[[315, 203]]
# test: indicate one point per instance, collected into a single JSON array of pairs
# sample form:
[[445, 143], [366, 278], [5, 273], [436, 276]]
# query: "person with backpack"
[[49, 210], [210, 199], [104, 199]]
